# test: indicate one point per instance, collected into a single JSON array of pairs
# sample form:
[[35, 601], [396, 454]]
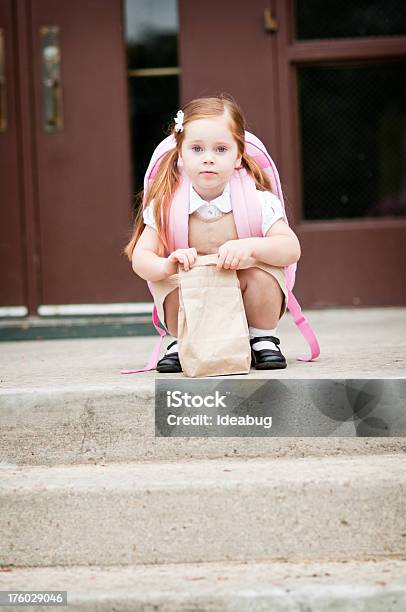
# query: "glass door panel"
[[353, 140], [317, 19], [151, 32]]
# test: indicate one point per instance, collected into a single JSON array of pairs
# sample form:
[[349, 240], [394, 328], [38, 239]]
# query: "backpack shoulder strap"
[[304, 327], [179, 214], [246, 205]]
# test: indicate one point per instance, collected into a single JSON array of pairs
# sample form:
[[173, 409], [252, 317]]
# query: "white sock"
[[173, 349], [255, 332]]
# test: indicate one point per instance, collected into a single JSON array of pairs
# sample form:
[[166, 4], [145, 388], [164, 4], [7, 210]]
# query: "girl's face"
[[210, 155]]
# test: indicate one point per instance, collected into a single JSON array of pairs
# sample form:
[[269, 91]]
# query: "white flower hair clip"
[[179, 121]]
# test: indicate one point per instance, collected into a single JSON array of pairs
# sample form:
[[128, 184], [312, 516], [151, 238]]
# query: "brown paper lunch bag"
[[213, 336]]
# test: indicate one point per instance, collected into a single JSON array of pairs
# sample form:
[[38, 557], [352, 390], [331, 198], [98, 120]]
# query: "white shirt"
[[271, 205]]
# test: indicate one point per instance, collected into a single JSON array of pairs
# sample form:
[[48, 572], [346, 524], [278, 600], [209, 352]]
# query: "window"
[[317, 19], [151, 31], [353, 134]]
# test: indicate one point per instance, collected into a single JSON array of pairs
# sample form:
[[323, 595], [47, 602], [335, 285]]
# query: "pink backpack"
[[248, 221]]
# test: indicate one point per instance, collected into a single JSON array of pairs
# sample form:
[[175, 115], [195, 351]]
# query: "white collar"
[[222, 202]]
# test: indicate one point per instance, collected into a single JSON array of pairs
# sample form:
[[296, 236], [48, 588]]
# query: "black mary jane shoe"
[[169, 363], [267, 359]]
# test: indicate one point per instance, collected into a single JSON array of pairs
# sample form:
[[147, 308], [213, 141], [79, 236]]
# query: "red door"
[[322, 85], [12, 259], [342, 115], [66, 177]]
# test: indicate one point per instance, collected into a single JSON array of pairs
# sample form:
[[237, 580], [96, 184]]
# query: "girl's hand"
[[235, 255], [186, 257]]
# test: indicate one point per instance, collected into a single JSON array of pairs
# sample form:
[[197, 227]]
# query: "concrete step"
[[65, 401], [320, 509], [374, 586], [344, 335], [90, 424]]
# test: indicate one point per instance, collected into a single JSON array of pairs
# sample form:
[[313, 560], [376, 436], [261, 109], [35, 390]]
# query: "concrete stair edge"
[[227, 587], [56, 426], [213, 510]]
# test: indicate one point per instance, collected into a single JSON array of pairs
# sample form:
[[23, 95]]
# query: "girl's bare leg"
[[262, 297], [171, 307]]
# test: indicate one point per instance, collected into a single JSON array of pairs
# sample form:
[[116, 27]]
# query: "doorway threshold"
[[75, 326]]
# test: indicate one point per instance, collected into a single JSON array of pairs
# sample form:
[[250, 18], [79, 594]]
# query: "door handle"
[[52, 94], [3, 85]]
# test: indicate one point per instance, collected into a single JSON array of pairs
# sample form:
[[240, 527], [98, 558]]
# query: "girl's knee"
[[255, 276]]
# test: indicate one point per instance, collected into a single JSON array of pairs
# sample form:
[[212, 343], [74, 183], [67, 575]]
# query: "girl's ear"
[[237, 164]]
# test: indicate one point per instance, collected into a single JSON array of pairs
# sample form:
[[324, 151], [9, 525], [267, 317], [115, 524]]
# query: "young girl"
[[209, 135]]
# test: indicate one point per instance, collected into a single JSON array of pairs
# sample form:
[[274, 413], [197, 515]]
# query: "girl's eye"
[[220, 148]]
